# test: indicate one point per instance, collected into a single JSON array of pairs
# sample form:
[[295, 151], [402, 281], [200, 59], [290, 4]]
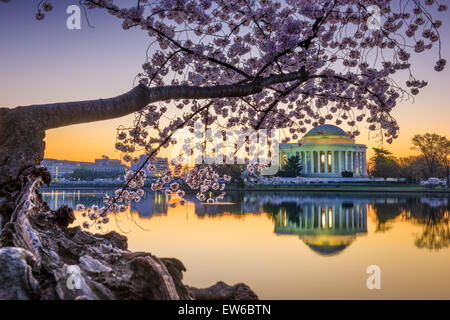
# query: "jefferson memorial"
[[326, 151]]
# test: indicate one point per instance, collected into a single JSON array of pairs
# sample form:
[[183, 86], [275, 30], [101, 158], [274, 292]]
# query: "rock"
[[64, 216], [158, 284], [92, 265], [223, 291], [176, 269], [83, 298], [16, 278], [116, 239], [73, 282]]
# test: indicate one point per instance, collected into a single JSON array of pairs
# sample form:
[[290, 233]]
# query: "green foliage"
[[414, 169], [347, 174], [292, 167], [435, 149], [234, 171], [381, 155], [293, 211], [384, 164], [388, 169]]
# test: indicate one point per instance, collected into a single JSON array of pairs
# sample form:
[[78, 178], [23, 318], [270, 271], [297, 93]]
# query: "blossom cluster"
[[349, 65], [434, 182], [212, 42], [94, 215], [118, 203]]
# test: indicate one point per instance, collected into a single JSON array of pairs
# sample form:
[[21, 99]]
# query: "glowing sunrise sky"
[[43, 62]]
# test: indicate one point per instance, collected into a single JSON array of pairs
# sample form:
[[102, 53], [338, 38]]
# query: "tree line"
[[432, 160]]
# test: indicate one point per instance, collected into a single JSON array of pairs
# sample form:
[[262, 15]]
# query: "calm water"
[[295, 245]]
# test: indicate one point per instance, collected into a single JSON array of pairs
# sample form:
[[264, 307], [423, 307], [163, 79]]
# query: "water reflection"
[[152, 204], [432, 213], [326, 223], [323, 241], [435, 218], [327, 227]]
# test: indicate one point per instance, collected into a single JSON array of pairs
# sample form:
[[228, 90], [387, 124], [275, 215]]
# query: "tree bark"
[[21, 143]]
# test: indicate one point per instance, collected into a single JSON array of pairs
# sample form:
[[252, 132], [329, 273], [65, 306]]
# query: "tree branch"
[[69, 113], [22, 130]]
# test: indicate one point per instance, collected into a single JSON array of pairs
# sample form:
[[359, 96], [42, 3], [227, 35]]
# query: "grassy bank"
[[386, 188]]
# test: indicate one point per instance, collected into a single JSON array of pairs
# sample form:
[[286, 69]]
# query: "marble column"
[[304, 161], [364, 163], [333, 162], [351, 161], [360, 163], [357, 161], [347, 160], [319, 165], [325, 161], [311, 158]]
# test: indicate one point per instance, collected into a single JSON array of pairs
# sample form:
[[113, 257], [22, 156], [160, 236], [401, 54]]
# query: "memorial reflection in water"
[[327, 227], [322, 241], [326, 222]]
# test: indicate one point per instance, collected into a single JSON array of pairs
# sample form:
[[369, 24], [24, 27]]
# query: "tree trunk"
[[21, 143]]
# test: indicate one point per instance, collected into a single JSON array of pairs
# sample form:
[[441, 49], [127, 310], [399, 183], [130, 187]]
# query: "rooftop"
[[326, 130]]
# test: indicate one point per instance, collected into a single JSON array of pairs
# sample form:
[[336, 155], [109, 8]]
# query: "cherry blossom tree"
[[266, 64]]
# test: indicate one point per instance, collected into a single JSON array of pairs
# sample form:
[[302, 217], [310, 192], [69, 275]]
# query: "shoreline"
[[337, 190], [299, 188]]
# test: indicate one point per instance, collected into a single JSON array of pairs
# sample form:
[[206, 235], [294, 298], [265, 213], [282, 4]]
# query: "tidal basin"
[[293, 245]]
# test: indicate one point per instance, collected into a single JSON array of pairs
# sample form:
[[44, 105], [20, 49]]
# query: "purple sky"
[[43, 62]]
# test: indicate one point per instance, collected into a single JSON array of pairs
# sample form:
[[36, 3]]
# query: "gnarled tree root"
[[41, 258]]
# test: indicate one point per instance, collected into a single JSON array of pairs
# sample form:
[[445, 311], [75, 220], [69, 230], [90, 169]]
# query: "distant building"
[[326, 151], [106, 164], [60, 168], [161, 165]]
